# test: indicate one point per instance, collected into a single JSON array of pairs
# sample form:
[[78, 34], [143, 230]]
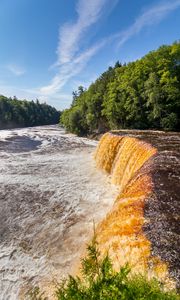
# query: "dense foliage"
[[22, 113], [142, 94], [100, 282]]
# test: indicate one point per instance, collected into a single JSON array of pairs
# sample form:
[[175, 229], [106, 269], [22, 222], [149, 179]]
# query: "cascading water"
[[51, 192], [129, 161]]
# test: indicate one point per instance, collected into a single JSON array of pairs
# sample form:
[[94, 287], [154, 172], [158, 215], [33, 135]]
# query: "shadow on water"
[[17, 144]]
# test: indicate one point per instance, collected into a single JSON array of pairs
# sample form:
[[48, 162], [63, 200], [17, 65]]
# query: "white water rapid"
[[50, 193]]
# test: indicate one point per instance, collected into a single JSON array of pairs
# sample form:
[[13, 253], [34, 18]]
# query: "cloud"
[[71, 34], [71, 69], [16, 70], [150, 17], [59, 100], [70, 59]]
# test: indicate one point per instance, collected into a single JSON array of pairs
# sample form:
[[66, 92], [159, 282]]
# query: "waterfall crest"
[[129, 161]]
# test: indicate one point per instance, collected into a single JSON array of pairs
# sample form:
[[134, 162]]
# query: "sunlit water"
[[50, 193], [162, 209]]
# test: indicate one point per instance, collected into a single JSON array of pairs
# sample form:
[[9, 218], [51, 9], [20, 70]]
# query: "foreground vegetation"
[[100, 282], [18, 113], [142, 94]]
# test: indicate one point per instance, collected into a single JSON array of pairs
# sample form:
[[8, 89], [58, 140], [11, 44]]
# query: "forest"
[[22, 113], [144, 94]]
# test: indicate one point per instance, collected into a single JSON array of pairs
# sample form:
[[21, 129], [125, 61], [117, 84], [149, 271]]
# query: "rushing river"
[[50, 194]]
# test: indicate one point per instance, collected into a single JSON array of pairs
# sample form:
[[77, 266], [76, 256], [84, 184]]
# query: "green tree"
[[20, 113], [141, 94]]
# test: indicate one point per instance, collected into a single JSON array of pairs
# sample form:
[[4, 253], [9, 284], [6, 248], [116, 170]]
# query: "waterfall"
[[129, 161]]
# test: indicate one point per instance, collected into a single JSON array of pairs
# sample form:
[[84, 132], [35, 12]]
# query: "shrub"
[[100, 282]]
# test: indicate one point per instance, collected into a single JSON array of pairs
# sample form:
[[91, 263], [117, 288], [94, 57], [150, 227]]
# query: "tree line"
[[22, 113], [144, 94]]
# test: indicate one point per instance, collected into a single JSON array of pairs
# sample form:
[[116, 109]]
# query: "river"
[[50, 195]]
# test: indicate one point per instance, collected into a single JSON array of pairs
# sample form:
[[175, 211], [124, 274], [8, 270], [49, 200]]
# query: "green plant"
[[140, 95], [35, 294], [100, 282]]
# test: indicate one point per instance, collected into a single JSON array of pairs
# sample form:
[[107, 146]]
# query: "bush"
[[100, 282]]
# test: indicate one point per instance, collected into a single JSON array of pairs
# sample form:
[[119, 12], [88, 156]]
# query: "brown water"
[[143, 225], [163, 206], [50, 193]]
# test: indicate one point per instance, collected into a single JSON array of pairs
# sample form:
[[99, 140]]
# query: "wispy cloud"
[[71, 69], [59, 100], [16, 69], [71, 34], [150, 17], [71, 60]]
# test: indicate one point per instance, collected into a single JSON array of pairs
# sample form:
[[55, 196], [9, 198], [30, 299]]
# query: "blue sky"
[[49, 48]]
